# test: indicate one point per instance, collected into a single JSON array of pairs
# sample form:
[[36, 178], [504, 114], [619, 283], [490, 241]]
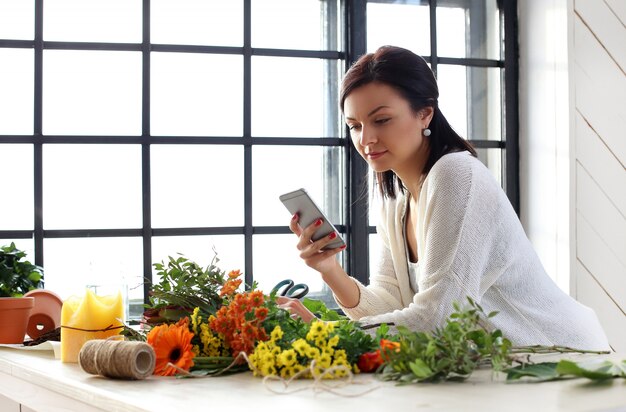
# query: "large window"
[[131, 130]]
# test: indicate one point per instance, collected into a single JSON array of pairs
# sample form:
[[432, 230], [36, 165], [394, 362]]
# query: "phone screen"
[[301, 203]]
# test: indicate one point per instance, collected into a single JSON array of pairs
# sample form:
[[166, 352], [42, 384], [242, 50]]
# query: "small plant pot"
[[45, 316], [14, 315]]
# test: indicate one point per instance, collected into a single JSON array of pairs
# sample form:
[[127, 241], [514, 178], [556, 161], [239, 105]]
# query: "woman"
[[447, 227]]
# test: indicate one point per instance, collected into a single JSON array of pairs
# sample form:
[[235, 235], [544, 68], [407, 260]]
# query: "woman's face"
[[384, 128]]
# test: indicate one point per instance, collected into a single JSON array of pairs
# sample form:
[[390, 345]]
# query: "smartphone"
[[301, 203]]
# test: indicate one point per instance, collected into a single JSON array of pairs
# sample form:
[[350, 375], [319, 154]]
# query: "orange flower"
[[172, 344], [240, 321], [256, 298], [387, 347], [233, 274], [230, 287], [261, 313]]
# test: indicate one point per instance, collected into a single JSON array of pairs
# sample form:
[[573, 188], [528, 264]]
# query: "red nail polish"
[[343, 247], [294, 217], [332, 235], [318, 222]]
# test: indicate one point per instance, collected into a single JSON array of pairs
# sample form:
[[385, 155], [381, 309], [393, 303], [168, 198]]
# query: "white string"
[[319, 384]]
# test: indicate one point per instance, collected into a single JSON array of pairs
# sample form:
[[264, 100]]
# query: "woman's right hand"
[[312, 252]]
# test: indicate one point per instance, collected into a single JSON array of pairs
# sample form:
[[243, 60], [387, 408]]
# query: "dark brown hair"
[[410, 75]]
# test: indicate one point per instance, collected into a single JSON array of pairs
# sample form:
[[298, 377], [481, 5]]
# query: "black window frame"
[[356, 222]]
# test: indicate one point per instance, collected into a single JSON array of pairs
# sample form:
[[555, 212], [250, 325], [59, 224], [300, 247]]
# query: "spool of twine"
[[117, 359]]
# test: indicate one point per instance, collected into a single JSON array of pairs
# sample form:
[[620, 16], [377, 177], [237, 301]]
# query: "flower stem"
[[554, 349]]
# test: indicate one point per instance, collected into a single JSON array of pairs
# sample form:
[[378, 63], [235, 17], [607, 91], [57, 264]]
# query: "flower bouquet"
[[200, 323]]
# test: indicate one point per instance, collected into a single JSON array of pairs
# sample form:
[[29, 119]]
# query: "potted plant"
[[17, 277]]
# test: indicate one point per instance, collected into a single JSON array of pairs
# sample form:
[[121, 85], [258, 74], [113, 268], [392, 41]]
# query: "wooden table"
[[42, 383]]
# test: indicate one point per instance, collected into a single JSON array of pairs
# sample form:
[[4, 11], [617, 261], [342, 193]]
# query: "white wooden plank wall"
[[599, 86]]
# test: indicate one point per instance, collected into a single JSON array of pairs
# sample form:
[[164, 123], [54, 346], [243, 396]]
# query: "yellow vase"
[[85, 318]]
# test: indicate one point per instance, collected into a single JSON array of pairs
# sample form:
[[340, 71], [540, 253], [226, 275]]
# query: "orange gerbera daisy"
[[172, 344]]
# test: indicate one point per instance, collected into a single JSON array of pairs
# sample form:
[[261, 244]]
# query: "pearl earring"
[[426, 132]]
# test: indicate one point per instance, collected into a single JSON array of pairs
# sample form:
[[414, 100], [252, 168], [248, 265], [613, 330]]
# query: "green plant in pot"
[[17, 277]]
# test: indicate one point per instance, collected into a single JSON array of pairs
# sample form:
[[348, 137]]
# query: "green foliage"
[[293, 328], [351, 337], [185, 285], [545, 371], [594, 369], [354, 340], [451, 352], [17, 276], [321, 311]]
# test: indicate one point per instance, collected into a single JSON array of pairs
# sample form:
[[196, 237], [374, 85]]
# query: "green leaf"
[[541, 371], [420, 369], [319, 308], [595, 369]]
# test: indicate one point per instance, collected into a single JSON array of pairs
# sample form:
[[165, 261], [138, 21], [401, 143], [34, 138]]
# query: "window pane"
[[470, 98], [91, 92], [16, 204], [276, 258], [492, 158], [201, 249], [280, 169], [92, 186], [472, 31], [197, 186], [376, 245], [198, 22], [93, 20], [274, 23], [403, 25], [16, 20], [16, 84], [111, 264], [294, 97], [196, 94]]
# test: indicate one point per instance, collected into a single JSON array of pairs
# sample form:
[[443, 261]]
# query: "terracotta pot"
[[46, 314], [14, 314]]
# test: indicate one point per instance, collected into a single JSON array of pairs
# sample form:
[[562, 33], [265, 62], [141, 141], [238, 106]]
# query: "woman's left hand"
[[295, 307]]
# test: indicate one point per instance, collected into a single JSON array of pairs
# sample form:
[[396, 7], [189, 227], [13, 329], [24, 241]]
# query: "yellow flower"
[[298, 368], [301, 346], [317, 330], [211, 344], [276, 334], [312, 352], [340, 355], [287, 358], [268, 359], [323, 361], [333, 342], [267, 370], [320, 343], [286, 372], [195, 320]]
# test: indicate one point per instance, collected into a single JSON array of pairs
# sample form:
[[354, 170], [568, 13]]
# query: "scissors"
[[290, 289]]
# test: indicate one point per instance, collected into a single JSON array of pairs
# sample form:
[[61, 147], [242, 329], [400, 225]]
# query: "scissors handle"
[[297, 291], [289, 289], [283, 287]]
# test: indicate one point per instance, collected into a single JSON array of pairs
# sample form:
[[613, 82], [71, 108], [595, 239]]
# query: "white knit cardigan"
[[471, 243]]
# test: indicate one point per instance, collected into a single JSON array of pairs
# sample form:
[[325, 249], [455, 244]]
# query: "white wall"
[[573, 148], [598, 71]]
